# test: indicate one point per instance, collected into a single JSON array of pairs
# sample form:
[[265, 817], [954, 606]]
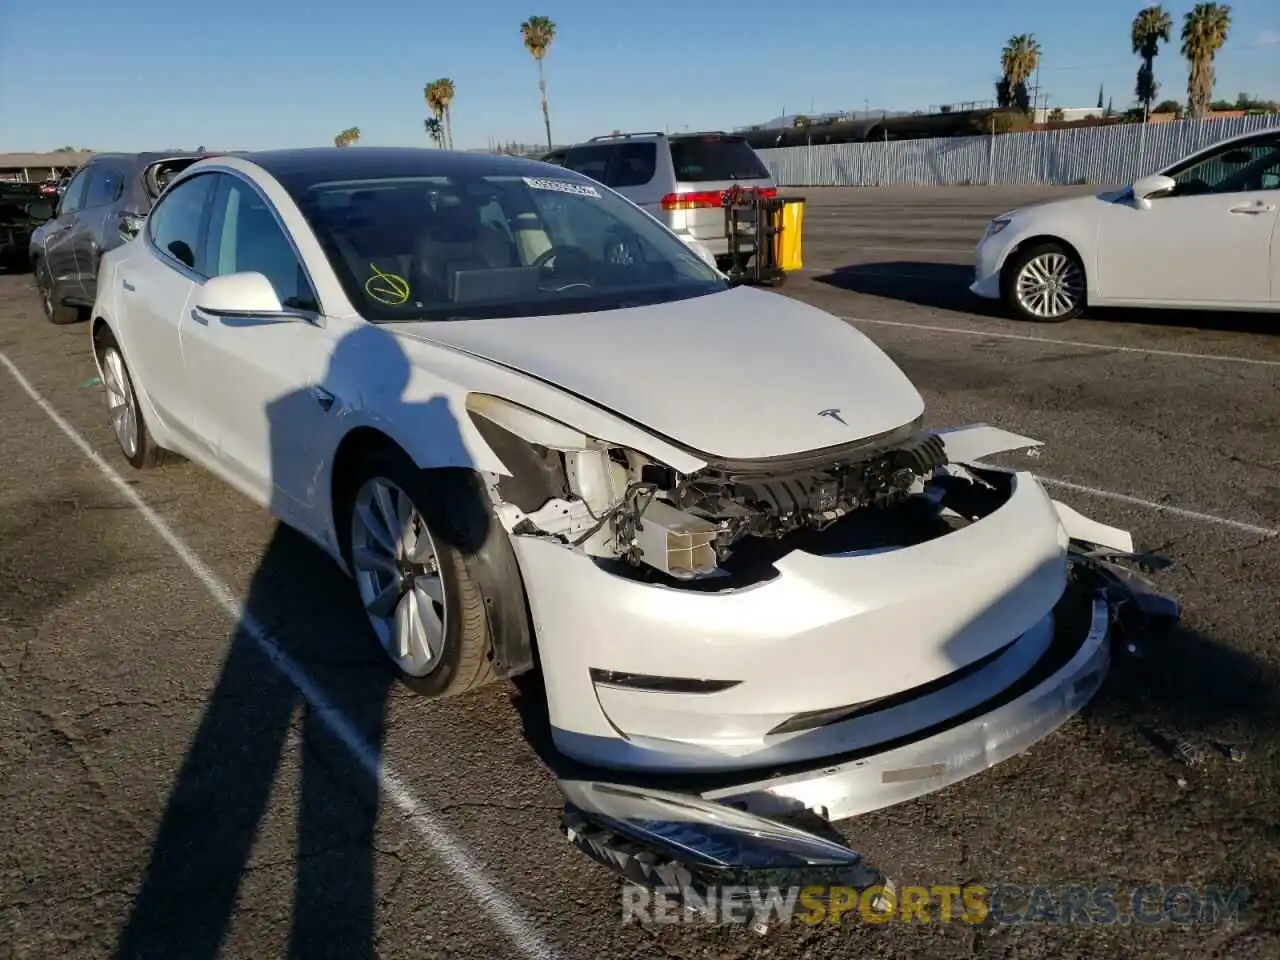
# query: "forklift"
[[764, 235]]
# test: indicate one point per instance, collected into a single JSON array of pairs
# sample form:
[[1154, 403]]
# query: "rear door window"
[[592, 161], [708, 159], [177, 224], [633, 165]]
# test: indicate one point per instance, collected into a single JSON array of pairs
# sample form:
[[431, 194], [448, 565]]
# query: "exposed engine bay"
[[620, 505]]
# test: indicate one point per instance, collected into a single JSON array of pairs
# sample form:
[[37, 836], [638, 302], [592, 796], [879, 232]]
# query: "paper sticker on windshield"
[[562, 186]]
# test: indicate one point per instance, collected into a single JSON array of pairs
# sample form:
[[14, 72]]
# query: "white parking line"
[[1027, 338], [437, 836]]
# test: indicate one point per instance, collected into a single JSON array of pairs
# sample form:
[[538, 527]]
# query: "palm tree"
[[538, 32], [347, 138], [1151, 27], [435, 103], [445, 91], [1204, 31], [1018, 61], [435, 130]]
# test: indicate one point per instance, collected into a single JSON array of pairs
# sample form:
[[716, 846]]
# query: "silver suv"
[[679, 178]]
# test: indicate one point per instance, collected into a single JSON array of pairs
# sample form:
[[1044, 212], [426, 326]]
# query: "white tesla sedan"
[[535, 427], [1203, 234]]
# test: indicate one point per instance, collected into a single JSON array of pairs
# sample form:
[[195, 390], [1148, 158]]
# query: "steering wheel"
[[622, 248], [554, 259]]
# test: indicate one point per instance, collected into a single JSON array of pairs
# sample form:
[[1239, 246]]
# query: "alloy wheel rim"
[[397, 571], [121, 405], [46, 296], [1050, 285]]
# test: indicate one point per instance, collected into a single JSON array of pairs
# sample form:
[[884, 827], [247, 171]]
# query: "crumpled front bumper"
[[827, 635], [1116, 607], [870, 782]]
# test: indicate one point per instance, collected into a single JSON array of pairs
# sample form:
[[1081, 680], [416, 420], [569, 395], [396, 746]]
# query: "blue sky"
[[249, 74]]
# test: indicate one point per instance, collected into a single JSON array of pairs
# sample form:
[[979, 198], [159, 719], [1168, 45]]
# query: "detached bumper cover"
[[654, 839], [921, 767], [827, 633]]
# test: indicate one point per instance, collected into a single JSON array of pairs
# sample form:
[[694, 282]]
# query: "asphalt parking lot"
[[169, 792]]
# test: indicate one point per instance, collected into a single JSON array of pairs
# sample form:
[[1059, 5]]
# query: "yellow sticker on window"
[[387, 288]]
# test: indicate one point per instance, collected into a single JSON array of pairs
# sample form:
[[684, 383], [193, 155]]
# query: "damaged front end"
[[1004, 612], [772, 830], [718, 521]]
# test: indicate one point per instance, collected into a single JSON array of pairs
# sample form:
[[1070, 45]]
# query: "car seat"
[[457, 239]]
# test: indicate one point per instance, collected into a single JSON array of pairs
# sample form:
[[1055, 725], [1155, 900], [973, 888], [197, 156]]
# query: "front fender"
[[1081, 237]]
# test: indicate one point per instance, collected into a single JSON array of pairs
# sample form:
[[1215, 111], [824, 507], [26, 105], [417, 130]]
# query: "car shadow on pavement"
[[940, 286], [945, 286], [1187, 687], [302, 656]]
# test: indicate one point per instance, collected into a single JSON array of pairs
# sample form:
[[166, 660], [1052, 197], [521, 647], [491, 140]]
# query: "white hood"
[[737, 375]]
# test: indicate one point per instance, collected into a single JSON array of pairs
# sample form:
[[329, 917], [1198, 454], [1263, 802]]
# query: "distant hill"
[[790, 119]]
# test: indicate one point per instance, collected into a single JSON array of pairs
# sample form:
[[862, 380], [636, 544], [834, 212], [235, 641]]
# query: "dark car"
[[23, 207], [102, 206]]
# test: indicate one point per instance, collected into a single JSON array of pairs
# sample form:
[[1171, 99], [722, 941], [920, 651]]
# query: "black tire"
[[1014, 267], [146, 454], [461, 523], [55, 311]]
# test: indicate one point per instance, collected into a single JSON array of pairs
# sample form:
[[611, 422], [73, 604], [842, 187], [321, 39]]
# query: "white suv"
[[680, 179]]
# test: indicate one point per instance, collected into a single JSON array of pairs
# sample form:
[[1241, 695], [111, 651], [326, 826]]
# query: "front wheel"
[[424, 605], [1044, 284]]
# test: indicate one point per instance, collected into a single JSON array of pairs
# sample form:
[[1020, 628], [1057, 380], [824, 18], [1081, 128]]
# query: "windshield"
[[450, 248]]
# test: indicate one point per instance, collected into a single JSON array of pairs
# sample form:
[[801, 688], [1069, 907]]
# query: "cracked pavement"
[[164, 792]]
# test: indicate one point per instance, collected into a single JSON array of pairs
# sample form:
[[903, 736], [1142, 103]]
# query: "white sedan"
[[535, 427], [1202, 234]]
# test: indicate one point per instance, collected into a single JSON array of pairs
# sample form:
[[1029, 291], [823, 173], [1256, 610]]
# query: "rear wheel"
[[401, 545], [51, 297], [1044, 284], [127, 423]]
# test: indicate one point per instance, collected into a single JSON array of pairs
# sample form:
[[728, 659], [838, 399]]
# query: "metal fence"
[[1108, 155]]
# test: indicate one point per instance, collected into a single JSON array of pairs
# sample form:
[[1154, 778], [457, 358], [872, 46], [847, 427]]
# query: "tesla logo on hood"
[[833, 413]]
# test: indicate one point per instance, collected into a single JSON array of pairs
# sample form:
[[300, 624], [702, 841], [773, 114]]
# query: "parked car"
[[1204, 234], [101, 206], [680, 179], [23, 207], [523, 415]]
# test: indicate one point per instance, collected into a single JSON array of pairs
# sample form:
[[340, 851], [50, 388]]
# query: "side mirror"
[[1153, 186], [241, 295]]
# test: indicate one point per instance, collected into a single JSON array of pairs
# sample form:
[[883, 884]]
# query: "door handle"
[[1255, 208], [199, 317], [128, 286], [324, 398]]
